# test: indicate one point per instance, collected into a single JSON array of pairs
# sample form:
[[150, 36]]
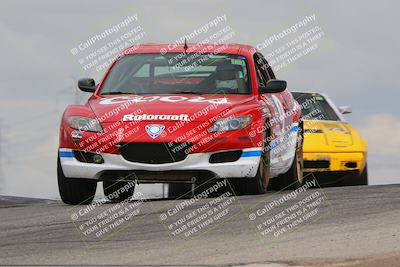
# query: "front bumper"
[[245, 166], [332, 162]]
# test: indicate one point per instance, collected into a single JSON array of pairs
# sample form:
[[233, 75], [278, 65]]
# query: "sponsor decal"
[[171, 99], [155, 117], [154, 130]]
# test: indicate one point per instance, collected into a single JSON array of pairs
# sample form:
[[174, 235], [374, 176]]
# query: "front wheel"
[[293, 178], [259, 183], [250, 186], [75, 191]]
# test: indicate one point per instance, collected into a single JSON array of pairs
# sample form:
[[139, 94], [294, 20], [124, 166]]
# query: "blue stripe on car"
[[284, 137], [246, 154], [294, 128], [66, 154]]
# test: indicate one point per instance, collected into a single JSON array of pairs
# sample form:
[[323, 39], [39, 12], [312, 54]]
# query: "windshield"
[[178, 73], [315, 107]]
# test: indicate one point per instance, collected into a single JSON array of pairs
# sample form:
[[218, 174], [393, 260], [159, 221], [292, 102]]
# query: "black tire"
[[75, 191], [293, 178], [117, 191], [258, 184], [357, 179], [178, 190], [248, 186]]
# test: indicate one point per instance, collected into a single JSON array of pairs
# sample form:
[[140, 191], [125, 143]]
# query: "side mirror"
[[273, 86], [345, 109], [87, 85]]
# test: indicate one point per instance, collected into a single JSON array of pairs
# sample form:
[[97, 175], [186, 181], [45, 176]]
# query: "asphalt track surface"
[[353, 226]]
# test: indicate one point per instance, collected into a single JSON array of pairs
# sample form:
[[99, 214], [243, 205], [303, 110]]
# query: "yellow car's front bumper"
[[324, 161]]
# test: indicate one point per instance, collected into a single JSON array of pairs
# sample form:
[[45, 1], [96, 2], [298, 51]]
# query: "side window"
[[266, 67], [261, 75]]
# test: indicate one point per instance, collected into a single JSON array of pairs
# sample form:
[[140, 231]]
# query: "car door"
[[282, 145], [272, 101], [285, 98]]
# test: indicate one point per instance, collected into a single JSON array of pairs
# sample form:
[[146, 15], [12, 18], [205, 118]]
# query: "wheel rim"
[[299, 160], [264, 178]]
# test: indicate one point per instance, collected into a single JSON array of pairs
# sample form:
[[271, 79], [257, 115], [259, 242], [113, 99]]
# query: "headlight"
[[84, 124], [230, 124]]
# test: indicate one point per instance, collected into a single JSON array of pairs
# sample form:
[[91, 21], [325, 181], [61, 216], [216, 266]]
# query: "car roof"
[[232, 48]]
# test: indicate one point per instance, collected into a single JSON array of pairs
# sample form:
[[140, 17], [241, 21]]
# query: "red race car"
[[181, 114]]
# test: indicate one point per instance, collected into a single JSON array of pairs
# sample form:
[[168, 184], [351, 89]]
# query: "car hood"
[[331, 136], [197, 107]]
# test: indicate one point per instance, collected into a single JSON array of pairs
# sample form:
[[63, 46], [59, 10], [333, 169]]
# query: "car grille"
[[154, 153]]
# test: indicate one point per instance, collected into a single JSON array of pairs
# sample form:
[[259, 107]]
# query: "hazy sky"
[[356, 62]]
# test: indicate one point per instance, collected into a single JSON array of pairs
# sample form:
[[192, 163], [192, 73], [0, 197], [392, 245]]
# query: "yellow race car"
[[333, 150]]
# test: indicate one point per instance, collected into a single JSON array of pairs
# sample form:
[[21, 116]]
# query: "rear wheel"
[[118, 191], [293, 178], [75, 191]]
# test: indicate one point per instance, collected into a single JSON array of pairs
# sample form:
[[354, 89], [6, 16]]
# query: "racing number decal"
[[279, 106], [274, 110], [280, 114]]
